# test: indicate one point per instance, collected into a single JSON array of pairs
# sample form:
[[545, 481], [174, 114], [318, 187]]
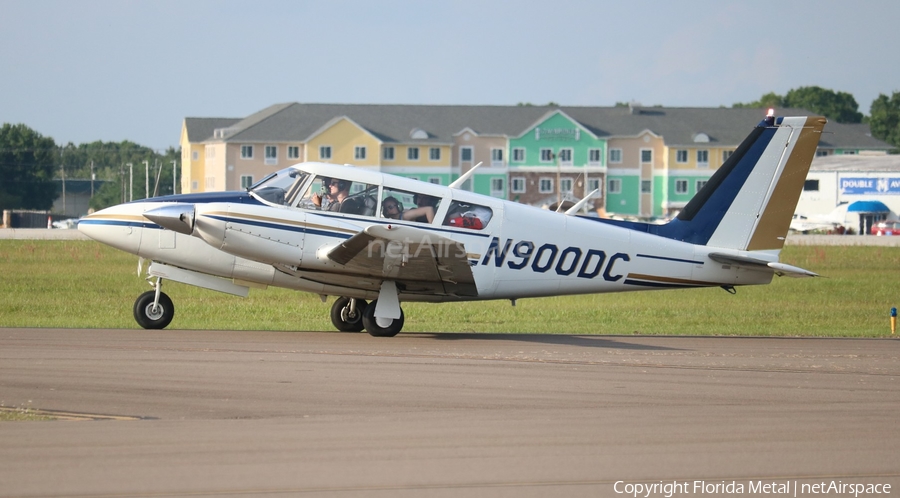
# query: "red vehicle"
[[886, 228]]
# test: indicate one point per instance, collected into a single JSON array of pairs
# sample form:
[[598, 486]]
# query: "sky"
[[88, 70]]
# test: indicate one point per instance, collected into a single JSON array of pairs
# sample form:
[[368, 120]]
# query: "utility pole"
[[92, 178], [174, 170], [130, 182], [146, 179]]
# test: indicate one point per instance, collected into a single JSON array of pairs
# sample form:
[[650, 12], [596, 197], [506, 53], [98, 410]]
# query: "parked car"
[[886, 228]]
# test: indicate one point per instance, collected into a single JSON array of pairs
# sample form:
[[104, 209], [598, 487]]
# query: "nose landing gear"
[[154, 309]]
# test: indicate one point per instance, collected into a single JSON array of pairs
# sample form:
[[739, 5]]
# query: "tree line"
[[30, 163], [31, 166]]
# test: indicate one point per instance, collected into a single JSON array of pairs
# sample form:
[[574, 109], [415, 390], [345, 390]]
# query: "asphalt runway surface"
[[226, 413]]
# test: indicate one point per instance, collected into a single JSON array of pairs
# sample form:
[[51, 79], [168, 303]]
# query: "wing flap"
[[420, 261]]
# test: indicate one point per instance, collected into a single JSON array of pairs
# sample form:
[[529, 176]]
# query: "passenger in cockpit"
[[391, 208], [336, 191]]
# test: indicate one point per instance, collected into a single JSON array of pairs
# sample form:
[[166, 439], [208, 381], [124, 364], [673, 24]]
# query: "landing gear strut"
[[346, 314], [154, 309]]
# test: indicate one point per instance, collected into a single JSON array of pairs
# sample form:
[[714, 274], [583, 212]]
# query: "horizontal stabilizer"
[[780, 269]]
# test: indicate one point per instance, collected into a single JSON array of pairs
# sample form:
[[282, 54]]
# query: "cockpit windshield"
[[281, 187]]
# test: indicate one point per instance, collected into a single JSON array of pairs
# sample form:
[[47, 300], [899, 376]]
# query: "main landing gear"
[[154, 309], [352, 315]]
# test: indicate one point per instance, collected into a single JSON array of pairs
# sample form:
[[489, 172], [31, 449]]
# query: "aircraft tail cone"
[[176, 217]]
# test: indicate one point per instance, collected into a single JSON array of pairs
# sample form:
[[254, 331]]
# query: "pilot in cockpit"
[[336, 191]]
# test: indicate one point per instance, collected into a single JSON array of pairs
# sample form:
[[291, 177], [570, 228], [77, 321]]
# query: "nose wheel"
[[154, 309]]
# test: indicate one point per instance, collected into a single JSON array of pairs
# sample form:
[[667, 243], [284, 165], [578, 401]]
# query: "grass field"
[[83, 284]]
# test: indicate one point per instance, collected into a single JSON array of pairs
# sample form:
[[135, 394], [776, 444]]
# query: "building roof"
[[390, 123], [856, 163], [200, 129]]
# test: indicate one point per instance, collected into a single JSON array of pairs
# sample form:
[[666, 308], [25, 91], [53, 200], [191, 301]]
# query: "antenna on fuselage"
[[462, 179], [578, 205]]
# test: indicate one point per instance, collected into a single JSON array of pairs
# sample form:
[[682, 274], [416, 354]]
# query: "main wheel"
[[380, 327], [344, 319], [153, 318]]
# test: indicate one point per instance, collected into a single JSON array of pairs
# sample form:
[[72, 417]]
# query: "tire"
[[144, 313], [340, 312], [376, 330]]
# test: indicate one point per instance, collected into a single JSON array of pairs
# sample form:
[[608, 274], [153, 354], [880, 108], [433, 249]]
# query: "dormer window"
[[418, 134], [701, 138]]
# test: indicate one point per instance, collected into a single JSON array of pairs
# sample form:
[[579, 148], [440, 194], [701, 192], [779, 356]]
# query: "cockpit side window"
[[340, 196], [410, 206], [468, 215]]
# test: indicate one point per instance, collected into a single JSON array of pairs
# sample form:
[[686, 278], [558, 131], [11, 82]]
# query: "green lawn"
[[85, 284]]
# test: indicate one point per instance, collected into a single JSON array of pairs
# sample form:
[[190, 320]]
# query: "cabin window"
[[340, 196], [467, 215], [397, 204]]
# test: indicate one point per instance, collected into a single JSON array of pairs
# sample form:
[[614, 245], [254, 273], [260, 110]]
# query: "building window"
[[412, 153], [565, 156], [646, 186], [726, 154], [271, 154], [388, 154], [681, 186], [593, 184], [821, 153], [699, 185], [246, 152], [615, 186], [702, 158], [195, 155], [849, 152], [681, 156], [565, 185], [210, 182], [811, 186], [497, 187], [359, 152], [615, 156], [465, 154], [324, 152], [435, 180], [546, 185], [434, 153], [246, 181], [646, 155], [496, 157], [517, 185], [594, 156], [546, 155], [293, 152], [518, 155]]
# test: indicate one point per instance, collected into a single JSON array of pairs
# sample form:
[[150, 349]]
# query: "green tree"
[[884, 119], [27, 167], [770, 99], [838, 106]]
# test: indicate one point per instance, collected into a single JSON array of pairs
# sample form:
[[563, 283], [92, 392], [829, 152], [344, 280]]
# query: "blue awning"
[[868, 207]]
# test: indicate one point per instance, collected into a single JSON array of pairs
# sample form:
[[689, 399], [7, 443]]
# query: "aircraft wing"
[[419, 261], [780, 269]]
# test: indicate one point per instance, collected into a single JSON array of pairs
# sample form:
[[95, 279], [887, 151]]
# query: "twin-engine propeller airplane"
[[376, 240]]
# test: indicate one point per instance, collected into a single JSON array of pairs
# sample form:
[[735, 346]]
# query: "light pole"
[[146, 179], [174, 163], [130, 182]]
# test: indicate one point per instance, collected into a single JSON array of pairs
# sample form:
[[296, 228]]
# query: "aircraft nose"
[[117, 226], [176, 217]]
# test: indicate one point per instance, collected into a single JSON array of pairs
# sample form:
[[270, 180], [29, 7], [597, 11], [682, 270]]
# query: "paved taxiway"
[[202, 413]]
